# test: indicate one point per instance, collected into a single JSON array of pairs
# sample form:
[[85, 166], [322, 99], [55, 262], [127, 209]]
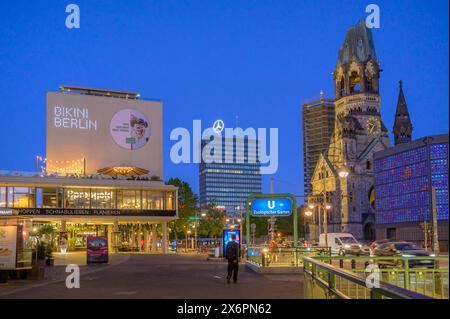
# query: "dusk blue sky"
[[213, 59]]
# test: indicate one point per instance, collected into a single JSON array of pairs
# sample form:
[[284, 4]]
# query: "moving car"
[[406, 250], [342, 244], [375, 244]]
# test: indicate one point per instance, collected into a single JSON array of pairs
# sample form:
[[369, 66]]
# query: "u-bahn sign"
[[271, 207]]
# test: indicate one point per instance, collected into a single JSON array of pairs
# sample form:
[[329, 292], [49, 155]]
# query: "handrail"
[[385, 289]]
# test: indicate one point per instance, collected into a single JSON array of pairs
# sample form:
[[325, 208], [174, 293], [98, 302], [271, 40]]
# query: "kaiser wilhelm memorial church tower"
[[343, 176]]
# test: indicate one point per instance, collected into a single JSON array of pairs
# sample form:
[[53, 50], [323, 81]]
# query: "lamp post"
[[308, 214], [188, 232]]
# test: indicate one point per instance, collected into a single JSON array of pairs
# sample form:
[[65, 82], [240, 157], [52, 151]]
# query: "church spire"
[[402, 124]]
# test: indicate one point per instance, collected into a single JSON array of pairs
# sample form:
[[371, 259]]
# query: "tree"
[[187, 206], [212, 225]]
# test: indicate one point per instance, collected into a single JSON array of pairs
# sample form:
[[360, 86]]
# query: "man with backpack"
[[232, 255]]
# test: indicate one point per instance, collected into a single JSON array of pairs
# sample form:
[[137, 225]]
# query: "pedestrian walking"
[[232, 255]]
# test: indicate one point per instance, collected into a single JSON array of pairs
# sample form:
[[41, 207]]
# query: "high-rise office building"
[[317, 126], [229, 172]]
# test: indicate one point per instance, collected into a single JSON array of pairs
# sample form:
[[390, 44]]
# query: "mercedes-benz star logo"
[[218, 126]]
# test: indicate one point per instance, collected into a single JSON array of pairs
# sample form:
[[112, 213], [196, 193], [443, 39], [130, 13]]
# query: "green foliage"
[[187, 206], [46, 230], [41, 250], [212, 225]]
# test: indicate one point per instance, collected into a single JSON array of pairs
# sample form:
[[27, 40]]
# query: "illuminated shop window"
[[21, 197], [77, 198], [2, 196], [152, 200], [103, 199], [128, 199], [170, 200], [49, 197]]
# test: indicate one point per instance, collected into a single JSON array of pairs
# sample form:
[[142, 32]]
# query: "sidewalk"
[[57, 273]]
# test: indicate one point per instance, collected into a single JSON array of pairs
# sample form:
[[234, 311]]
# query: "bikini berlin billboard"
[[105, 131]]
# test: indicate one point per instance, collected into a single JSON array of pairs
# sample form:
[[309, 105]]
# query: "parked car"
[[375, 244], [406, 250], [342, 244]]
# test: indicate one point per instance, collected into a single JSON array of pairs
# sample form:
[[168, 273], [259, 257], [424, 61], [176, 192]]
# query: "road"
[[164, 276]]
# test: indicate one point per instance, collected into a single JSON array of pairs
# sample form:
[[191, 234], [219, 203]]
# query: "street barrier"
[[325, 281], [425, 275]]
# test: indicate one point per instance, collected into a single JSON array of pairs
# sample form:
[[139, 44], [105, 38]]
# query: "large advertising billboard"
[[86, 133], [8, 244]]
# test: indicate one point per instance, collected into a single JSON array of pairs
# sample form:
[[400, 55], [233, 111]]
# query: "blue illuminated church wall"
[[402, 184]]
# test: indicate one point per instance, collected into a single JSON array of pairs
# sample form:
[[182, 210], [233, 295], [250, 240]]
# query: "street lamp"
[[308, 214], [343, 172], [325, 207], [188, 232]]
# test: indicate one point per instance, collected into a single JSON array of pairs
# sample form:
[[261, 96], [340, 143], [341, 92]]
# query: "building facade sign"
[[92, 212]]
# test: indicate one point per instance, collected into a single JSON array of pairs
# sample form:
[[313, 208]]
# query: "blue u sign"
[[272, 207]]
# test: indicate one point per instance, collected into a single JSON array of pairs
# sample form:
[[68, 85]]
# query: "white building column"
[[165, 247]]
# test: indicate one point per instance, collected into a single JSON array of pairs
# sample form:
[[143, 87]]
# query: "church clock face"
[[372, 126]]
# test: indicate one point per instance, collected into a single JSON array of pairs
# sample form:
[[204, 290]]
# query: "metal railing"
[[425, 275], [325, 281], [283, 257]]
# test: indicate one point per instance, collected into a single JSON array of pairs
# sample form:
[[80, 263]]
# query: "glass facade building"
[[229, 172], [404, 177]]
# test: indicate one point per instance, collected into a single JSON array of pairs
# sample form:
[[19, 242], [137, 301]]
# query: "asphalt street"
[[162, 276]]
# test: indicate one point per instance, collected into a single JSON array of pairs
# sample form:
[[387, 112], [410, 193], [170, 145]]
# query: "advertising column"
[[8, 245]]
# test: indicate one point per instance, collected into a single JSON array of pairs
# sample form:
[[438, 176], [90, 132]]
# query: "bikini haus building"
[[101, 175]]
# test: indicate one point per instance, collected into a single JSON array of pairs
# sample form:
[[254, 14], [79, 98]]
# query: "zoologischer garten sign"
[[271, 207]]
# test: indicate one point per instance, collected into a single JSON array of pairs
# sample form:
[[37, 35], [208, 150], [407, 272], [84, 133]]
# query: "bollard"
[[353, 264], [341, 263]]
